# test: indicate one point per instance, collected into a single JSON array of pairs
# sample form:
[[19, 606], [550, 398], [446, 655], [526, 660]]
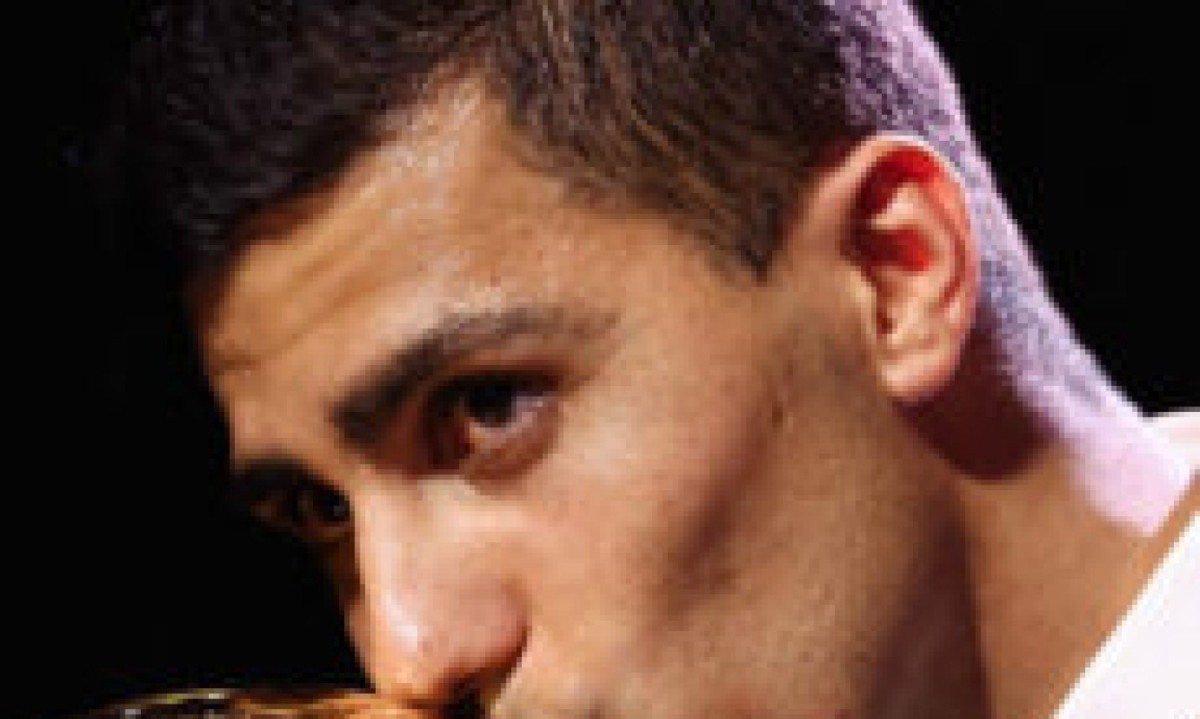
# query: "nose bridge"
[[433, 615]]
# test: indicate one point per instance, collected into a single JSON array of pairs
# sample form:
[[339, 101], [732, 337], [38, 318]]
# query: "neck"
[[1068, 503]]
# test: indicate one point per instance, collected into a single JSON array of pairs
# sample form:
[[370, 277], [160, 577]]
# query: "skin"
[[626, 481]]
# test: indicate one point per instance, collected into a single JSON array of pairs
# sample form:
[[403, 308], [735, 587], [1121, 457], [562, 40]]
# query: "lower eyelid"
[[522, 446]]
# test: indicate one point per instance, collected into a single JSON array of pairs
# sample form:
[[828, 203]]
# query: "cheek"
[[684, 475], [710, 530], [637, 512]]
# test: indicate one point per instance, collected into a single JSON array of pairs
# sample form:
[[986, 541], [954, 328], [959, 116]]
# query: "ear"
[[909, 239]]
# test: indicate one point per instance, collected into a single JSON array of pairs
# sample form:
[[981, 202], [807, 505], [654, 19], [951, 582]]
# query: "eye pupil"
[[331, 508], [490, 402], [319, 512]]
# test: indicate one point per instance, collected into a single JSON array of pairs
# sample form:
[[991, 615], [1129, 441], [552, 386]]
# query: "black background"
[[132, 577]]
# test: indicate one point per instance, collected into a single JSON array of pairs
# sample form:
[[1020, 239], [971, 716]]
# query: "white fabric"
[[1149, 667]]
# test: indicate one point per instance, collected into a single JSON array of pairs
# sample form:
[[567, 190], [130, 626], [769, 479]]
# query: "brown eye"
[[308, 510], [486, 414]]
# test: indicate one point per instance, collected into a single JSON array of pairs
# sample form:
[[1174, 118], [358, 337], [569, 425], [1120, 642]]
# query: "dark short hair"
[[708, 111]]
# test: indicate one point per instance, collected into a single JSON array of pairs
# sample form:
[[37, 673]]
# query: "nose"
[[434, 619]]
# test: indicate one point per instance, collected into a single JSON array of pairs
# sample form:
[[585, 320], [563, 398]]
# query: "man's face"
[[587, 475]]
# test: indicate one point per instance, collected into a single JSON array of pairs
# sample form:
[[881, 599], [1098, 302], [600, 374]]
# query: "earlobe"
[[912, 244]]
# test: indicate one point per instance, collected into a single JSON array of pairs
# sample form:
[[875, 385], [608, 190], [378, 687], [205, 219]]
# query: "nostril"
[[467, 704]]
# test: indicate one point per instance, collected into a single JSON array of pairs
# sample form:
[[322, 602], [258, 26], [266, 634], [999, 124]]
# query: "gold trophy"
[[256, 704]]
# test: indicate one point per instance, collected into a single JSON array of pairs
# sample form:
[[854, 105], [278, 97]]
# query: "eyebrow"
[[361, 415]]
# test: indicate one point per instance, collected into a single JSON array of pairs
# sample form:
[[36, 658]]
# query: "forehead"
[[438, 196], [440, 217]]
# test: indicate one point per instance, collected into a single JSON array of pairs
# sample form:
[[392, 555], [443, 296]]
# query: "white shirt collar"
[[1149, 666]]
